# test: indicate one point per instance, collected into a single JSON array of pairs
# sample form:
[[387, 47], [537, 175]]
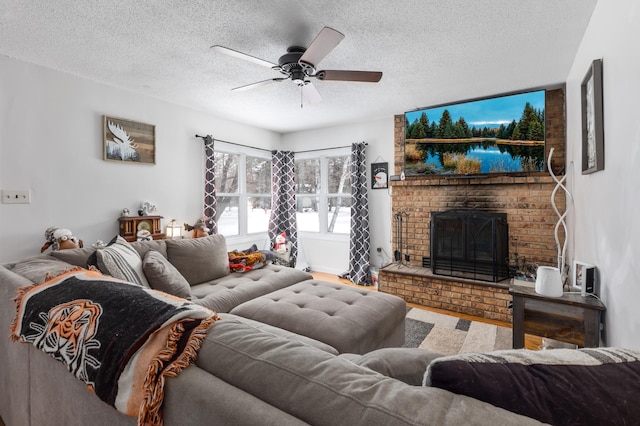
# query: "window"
[[243, 193], [258, 180], [307, 186], [323, 194], [339, 194]]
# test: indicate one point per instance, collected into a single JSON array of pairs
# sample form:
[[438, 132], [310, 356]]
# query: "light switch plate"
[[16, 196]]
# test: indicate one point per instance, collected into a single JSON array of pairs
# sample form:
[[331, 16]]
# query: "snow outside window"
[[243, 193], [323, 194]]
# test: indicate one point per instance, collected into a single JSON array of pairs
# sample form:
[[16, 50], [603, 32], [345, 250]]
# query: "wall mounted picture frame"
[[592, 119], [584, 277], [128, 141], [379, 175]]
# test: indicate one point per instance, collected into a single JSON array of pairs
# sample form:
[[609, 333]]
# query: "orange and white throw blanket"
[[121, 339]]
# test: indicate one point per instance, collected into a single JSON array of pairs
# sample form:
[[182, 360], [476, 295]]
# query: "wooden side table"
[[571, 318]]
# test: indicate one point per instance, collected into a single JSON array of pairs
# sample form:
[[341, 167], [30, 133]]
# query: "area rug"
[[449, 335]]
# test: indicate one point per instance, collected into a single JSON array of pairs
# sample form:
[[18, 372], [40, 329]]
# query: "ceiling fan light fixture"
[[298, 76]]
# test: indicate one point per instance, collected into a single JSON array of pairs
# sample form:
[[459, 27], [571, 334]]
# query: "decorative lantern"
[[173, 230]]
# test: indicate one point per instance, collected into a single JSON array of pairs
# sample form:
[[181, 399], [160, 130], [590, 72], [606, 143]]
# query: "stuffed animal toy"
[[143, 235], [60, 239], [199, 229], [279, 245]]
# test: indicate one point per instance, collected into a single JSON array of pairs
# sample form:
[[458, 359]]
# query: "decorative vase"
[[548, 281]]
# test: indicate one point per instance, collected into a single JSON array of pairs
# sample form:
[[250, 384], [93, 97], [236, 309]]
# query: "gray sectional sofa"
[[247, 372]]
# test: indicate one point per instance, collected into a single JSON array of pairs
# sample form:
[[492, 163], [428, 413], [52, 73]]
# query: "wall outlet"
[[16, 196]]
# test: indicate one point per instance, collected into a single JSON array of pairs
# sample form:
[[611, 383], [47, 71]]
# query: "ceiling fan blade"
[[326, 40], [310, 93], [244, 56], [341, 75], [257, 84]]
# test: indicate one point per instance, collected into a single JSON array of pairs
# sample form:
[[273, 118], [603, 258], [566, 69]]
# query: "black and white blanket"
[[119, 338]]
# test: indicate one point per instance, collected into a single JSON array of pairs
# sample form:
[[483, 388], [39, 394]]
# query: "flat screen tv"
[[497, 135]]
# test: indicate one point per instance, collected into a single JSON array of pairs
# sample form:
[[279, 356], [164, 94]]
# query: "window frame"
[[242, 195], [323, 194]]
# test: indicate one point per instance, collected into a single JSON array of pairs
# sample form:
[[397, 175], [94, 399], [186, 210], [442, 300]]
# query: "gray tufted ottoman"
[[350, 319]]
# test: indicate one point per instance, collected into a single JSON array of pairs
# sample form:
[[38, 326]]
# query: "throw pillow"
[[163, 276], [199, 259], [122, 261], [557, 386]]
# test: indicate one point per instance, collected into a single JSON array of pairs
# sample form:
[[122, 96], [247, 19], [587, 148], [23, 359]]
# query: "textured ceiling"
[[431, 52]]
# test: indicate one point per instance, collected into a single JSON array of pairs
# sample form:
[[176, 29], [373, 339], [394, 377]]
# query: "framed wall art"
[[592, 119], [128, 141], [379, 175]]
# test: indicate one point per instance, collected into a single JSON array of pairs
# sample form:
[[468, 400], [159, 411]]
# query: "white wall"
[[331, 253], [51, 143], [605, 219]]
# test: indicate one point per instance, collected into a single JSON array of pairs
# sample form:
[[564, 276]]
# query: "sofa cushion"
[[320, 388], [405, 364], [77, 257], [558, 386], [143, 247], [282, 333], [199, 259], [122, 261], [38, 268], [163, 276], [224, 294]]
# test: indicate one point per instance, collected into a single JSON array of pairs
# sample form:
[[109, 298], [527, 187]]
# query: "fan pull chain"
[[301, 98]]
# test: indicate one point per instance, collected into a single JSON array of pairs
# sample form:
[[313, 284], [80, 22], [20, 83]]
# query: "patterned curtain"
[[359, 241], [210, 186], [283, 201]]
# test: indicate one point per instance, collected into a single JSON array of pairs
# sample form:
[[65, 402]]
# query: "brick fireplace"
[[524, 199]]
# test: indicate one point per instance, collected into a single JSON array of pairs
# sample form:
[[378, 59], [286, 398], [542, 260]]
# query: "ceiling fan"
[[299, 65]]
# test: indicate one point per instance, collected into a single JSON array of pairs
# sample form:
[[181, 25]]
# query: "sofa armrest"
[[14, 357]]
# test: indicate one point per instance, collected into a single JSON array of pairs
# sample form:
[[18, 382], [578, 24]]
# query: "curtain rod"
[[272, 151], [235, 143], [324, 149]]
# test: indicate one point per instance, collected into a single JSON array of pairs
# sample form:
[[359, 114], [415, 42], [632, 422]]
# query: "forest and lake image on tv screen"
[[503, 134]]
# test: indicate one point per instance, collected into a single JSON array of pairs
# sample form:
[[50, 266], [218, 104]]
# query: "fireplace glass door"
[[470, 244]]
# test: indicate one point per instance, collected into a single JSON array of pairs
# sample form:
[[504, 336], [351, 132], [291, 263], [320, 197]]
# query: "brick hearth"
[[524, 197], [418, 285]]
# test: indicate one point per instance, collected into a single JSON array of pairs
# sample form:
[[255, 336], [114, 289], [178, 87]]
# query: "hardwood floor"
[[530, 342]]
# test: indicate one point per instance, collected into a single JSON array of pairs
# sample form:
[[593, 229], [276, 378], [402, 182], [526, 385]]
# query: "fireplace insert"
[[470, 243]]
